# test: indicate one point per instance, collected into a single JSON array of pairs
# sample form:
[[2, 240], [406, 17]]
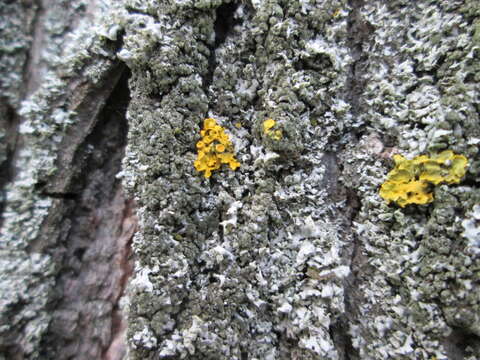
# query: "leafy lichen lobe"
[[409, 182]]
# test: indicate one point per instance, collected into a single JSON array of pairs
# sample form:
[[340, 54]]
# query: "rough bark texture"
[[66, 223], [292, 256]]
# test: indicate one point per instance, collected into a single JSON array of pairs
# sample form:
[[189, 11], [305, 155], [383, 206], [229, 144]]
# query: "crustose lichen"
[[214, 149], [410, 181]]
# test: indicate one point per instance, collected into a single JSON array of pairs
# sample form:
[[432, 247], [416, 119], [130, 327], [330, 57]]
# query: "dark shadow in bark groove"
[[9, 122], [360, 32], [341, 338], [224, 24], [459, 344]]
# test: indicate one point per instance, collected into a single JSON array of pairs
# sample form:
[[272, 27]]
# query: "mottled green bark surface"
[[294, 255], [273, 261]]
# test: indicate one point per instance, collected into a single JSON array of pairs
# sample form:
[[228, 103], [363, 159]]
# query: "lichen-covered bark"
[[225, 265], [292, 256], [295, 255], [15, 43], [420, 298], [66, 224]]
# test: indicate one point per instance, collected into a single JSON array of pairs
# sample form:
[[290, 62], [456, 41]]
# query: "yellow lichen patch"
[[268, 124], [410, 181], [269, 129], [214, 149]]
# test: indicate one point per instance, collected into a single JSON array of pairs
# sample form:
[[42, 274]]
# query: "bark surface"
[[292, 256]]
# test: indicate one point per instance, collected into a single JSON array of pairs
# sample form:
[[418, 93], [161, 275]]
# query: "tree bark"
[[292, 256]]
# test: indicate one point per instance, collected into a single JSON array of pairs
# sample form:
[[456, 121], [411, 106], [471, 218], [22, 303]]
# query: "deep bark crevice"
[[340, 336], [65, 196], [116, 349], [31, 76], [95, 255], [339, 329], [9, 122], [460, 345], [224, 23], [360, 31], [80, 140]]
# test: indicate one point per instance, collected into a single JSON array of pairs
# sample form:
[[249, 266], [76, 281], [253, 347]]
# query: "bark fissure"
[[9, 122], [65, 196], [224, 22], [361, 31], [117, 347], [96, 252], [87, 101], [31, 73]]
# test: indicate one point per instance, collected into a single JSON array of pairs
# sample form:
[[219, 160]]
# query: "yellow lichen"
[[214, 149], [410, 181], [269, 129]]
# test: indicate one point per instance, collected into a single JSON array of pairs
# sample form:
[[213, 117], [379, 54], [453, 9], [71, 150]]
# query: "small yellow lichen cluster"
[[409, 182], [268, 129], [214, 149]]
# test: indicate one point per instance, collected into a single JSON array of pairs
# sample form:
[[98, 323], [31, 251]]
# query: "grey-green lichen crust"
[[222, 263], [258, 263], [421, 96]]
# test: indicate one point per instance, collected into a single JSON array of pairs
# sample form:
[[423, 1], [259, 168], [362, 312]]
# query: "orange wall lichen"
[[410, 181], [214, 149], [269, 129]]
